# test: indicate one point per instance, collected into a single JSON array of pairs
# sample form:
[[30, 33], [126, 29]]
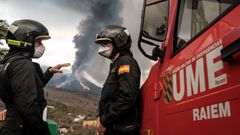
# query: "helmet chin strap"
[[115, 56], [112, 55], [113, 52]]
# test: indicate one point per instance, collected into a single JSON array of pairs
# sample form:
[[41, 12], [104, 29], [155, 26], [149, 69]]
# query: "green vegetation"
[[64, 116]]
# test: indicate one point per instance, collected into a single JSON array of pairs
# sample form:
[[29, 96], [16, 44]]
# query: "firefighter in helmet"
[[22, 80], [118, 106]]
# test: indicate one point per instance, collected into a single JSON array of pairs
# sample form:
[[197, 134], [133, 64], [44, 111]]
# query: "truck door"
[[153, 32], [204, 63], [198, 70]]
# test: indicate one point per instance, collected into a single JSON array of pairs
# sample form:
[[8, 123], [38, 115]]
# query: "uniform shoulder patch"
[[123, 69]]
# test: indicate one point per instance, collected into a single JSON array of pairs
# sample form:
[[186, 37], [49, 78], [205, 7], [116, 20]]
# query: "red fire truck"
[[194, 87]]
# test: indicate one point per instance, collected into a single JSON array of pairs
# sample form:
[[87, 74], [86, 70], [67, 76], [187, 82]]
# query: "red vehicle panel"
[[194, 89]]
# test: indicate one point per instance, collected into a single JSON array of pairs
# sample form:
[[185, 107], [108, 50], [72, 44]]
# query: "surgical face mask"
[[105, 51], [38, 51]]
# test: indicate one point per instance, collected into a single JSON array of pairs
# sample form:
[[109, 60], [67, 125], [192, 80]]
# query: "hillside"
[[68, 106], [65, 106]]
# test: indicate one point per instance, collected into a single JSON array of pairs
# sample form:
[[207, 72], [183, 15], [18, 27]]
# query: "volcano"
[[72, 83]]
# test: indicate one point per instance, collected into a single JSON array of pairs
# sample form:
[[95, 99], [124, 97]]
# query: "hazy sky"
[[60, 23], [62, 18]]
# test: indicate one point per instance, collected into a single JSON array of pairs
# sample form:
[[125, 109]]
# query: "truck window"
[[153, 28], [194, 16], [155, 20]]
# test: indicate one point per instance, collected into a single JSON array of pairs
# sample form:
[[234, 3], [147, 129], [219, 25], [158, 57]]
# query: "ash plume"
[[100, 14]]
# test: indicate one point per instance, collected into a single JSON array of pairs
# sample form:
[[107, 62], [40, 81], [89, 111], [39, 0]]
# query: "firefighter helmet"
[[119, 36], [23, 33]]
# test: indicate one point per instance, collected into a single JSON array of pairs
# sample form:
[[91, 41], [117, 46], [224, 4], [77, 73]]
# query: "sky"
[[72, 24]]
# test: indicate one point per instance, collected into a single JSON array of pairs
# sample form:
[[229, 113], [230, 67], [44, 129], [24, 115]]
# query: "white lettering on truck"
[[215, 111], [194, 75]]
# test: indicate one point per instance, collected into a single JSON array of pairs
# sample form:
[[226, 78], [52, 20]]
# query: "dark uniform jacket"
[[120, 93], [24, 110]]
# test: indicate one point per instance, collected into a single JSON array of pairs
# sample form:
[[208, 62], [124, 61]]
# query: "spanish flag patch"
[[123, 69]]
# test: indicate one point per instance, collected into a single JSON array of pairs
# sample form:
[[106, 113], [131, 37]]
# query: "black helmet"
[[23, 33], [119, 36]]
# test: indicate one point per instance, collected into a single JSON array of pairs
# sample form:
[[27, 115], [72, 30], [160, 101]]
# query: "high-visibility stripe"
[[123, 69], [14, 42], [18, 43]]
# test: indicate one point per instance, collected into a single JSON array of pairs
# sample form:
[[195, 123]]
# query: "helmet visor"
[[103, 40], [42, 37]]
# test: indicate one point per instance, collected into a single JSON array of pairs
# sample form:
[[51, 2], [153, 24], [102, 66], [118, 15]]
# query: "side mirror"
[[153, 29], [157, 53]]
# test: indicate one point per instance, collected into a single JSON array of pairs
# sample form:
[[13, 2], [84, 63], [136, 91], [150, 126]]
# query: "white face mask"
[[39, 51], [105, 51]]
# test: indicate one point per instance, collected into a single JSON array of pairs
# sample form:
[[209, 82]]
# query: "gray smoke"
[[98, 13], [101, 13], [95, 14], [63, 15]]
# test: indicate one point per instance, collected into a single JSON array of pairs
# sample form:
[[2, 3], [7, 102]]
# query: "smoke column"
[[100, 14]]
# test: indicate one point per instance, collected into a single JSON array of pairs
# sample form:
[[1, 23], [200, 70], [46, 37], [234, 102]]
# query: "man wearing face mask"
[[22, 80], [118, 105]]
